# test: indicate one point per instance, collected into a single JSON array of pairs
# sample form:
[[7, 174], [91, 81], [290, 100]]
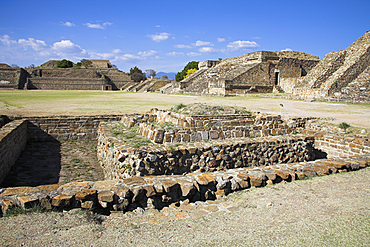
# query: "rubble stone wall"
[[120, 161], [235, 165], [13, 138]]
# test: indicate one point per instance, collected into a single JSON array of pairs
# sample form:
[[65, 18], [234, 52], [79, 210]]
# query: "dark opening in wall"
[[276, 78]]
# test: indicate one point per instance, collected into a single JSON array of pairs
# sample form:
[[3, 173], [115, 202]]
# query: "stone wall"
[[12, 78], [120, 161], [68, 84], [235, 165], [339, 146], [161, 191], [13, 138], [65, 128]]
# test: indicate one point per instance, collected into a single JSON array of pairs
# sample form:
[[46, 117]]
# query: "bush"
[[136, 77], [64, 64], [191, 65], [344, 126]]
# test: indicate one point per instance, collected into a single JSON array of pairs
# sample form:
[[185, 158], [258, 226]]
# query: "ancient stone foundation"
[[159, 174]]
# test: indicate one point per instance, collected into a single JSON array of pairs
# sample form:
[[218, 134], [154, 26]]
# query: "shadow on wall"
[[39, 163]]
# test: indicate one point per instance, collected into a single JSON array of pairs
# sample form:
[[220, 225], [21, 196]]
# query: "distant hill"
[[171, 75]]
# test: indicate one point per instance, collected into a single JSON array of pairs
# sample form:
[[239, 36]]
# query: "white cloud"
[[193, 54], [67, 47], [159, 37], [287, 49], [207, 49], [175, 54], [182, 46], [97, 55], [98, 26], [241, 45], [221, 40], [203, 43], [68, 24], [157, 25], [147, 53], [256, 37], [34, 43], [5, 39], [116, 51], [127, 58]]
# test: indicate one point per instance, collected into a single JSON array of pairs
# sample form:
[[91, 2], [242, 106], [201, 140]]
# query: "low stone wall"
[[160, 191], [339, 146], [66, 128], [183, 128], [13, 138], [120, 161]]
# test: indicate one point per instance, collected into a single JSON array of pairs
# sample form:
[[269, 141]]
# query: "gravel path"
[[323, 211]]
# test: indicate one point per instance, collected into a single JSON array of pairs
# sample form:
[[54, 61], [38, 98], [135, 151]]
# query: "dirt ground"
[[55, 162], [39, 103]]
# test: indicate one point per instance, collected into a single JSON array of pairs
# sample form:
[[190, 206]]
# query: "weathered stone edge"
[[160, 191]]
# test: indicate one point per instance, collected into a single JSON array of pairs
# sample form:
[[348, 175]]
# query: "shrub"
[[64, 64], [344, 126], [136, 77]]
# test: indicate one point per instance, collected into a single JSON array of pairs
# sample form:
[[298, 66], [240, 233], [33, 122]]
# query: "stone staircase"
[[117, 78], [339, 72]]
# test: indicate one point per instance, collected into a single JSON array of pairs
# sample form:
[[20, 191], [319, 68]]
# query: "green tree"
[[135, 70], [64, 64], [164, 77], [137, 74], [182, 74]]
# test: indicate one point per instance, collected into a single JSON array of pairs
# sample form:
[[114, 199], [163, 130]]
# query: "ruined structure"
[[197, 157], [99, 75], [11, 78], [257, 72], [341, 75]]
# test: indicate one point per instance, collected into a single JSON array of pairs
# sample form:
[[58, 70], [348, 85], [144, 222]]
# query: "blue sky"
[[166, 35]]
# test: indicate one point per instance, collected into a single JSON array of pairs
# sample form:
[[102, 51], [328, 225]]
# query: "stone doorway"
[[276, 78]]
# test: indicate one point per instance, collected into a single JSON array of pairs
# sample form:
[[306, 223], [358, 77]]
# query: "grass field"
[[78, 103]]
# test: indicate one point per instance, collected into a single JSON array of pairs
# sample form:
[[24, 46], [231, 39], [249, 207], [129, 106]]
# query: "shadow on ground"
[[54, 162]]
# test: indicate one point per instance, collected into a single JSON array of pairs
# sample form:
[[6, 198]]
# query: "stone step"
[[161, 191]]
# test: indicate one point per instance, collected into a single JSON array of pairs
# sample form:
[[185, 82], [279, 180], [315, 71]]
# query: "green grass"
[[7, 103]]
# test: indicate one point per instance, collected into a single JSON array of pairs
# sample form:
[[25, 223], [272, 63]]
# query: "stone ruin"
[[257, 72], [190, 153], [100, 75], [341, 75]]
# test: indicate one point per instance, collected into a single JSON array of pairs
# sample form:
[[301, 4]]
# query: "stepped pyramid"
[[341, 74]]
